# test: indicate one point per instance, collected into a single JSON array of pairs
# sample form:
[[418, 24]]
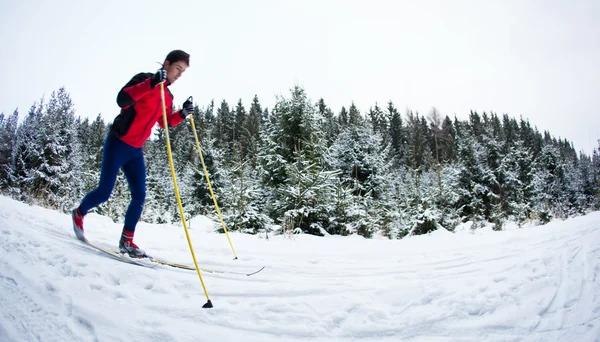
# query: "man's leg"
[[112, 159], [135, 172]]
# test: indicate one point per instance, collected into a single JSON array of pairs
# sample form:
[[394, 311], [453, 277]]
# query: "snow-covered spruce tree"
[[8, 137], [357, 153], [354, 116], [241, 199], [514, 182], [188, 166], [205, 119], [160, 205], [305, 196], [339, 209], [308, 185], [587, 184], [442, 145], [447, 145], [239, 180], [397, 133], [27, 156], [364, 167], [575, 181], [224, 127], [239, 118], [272, 165], [183, 149], [379, 122], [384, 210], [428, 178], [56, 182], [342, 118], [91, 137], [474, 192], [420, 159], [244, 202], [450, 197], [331, 126], [241, 196], [491, 140], [198, 199], [549, 184], [418, 155], [250, 135]]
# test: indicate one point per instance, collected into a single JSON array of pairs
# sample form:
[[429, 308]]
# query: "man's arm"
[[134, 89]]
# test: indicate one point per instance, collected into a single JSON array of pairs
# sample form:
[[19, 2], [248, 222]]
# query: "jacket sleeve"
[[134, 90], [173, 119]]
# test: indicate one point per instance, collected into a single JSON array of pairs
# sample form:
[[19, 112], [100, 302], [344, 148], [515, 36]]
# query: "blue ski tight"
[[118, 155]]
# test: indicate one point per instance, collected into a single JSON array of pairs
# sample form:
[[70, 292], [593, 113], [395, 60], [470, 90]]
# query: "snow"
[[529, 284]]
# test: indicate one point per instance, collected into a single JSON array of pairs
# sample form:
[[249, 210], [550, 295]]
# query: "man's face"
[[174, 70]]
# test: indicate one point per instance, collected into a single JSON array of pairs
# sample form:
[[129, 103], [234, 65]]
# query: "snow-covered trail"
[[534, 284]]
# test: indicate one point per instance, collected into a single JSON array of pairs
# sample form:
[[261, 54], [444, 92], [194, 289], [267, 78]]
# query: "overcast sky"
[[537, 59]]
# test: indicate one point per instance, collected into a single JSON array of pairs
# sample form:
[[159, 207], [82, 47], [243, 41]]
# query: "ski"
[[119, 256], [155, 261], [192, 268]]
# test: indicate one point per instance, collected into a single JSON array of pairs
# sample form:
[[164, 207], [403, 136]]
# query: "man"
[[141, 109]]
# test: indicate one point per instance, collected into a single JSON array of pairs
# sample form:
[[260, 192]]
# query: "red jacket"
[[141, 109]]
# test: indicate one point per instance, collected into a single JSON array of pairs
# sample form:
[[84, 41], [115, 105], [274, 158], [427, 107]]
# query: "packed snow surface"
[[529, 284]]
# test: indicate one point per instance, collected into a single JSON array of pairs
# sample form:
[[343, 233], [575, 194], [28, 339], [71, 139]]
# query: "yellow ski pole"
[[208, 182], [187, 234]]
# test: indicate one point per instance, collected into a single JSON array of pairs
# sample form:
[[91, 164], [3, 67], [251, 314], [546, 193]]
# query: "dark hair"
[[178, 55]]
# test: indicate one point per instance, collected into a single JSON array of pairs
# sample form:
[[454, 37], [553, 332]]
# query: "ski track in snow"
[[533, 284]]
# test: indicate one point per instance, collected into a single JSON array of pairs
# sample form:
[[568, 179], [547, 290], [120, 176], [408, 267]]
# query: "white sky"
[[533, 58]]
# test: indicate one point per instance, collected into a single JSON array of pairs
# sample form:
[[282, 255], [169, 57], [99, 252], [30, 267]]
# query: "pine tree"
[[364, 167], [435, 123], [475, 175], [251, 132], [208, 122], [224, 127], [447, 144], [304, 198], [550, 184], [397, 133], [296, 122], [378, 120], [418, 157], [8, 137], [98, 131], [354, 117], [160, 204], [296, 162], [239, 130], [584, 186], [91, 137], [339, 208], [242, 199], [343, 120], [56, 182], [183, 146], [331, 125], [27, 156]]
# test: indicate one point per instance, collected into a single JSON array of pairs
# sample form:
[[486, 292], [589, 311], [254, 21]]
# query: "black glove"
[[187, 108], [160, 76]]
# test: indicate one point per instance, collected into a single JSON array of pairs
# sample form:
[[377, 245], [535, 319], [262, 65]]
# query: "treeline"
[[302, 166]]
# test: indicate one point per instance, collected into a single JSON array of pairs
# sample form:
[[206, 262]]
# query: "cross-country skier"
[[141, 109]]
